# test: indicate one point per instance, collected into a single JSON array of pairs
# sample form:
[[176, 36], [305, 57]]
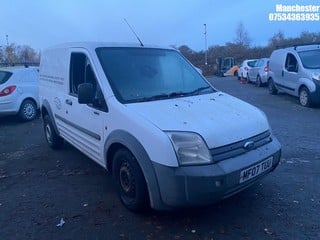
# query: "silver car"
[[244, 68], [19, 92], [258, 74]]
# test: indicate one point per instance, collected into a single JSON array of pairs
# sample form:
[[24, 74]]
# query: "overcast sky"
[[42, 23]]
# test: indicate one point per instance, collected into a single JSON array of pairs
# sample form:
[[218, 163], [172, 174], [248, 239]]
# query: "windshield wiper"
[[198, 90], [155, 97], [171, 95]]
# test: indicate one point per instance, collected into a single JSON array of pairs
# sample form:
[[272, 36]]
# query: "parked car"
[[296, 71], [244, 68], [19, 92], [259, 72], [154, 122]]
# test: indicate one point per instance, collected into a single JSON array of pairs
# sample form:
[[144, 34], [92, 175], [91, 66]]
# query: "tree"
[[242, 36], [10, 55], [277, 40], [26, 54], [14, 54]]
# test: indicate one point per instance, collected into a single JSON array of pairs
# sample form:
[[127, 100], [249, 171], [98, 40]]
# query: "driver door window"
[[81, 72], [291, 63]]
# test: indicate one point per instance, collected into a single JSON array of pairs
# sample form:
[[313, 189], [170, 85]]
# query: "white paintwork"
[[288, 81], [219, 118], [26, 81]]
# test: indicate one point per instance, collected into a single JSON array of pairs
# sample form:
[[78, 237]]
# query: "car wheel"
[[272, 88], [28, 110], [130, 182], [258, 82], [304, 97], [52, 137]]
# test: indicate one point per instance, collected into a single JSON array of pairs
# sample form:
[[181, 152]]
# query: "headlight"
[[190, 148], [316, 76]]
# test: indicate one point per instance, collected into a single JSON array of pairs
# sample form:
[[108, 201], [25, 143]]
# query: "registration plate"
[[255, 170]]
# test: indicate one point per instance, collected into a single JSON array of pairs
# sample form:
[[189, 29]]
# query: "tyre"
[[258, 81], [28, 110], [52, 137], [304, 97], [129, 180], [271, 87]]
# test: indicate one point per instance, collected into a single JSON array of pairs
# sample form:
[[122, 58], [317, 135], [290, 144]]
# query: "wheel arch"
[[309, 84], [46, 110], [31, 99], [122, 139]]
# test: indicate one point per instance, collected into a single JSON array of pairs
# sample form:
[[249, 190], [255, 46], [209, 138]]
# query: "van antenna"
[[134, 32]]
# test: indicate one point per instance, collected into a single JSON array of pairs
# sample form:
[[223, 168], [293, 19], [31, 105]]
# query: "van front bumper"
[[203, 185]]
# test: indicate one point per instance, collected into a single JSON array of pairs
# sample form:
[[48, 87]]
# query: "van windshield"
[[310, 59], [4, 76], [148, 74]]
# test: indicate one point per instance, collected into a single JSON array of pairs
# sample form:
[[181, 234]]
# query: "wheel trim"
[[303, 98], [28, 111], [126, 180]]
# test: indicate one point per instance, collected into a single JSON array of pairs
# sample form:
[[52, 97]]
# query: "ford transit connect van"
[[154, 122], [296, 71]]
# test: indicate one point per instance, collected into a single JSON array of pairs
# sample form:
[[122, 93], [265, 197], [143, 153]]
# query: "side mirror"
[[85, 93]]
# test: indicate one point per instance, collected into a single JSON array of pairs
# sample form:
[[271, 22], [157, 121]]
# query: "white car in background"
[[244, 68], [258, 74], [19, 92]]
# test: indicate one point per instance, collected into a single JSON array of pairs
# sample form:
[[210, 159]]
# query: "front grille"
[[237, 148]]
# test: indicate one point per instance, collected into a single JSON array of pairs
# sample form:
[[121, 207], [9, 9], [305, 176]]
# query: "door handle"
[[69, 102]]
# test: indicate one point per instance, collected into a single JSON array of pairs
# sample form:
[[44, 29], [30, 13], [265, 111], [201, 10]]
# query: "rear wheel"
[[52, 137], [258, 82], [130, 182], [304, 97], [28, 110], [272, 88]]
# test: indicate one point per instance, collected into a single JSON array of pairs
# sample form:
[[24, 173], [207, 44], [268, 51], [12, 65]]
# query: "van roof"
[[94, 45], [304, 47]]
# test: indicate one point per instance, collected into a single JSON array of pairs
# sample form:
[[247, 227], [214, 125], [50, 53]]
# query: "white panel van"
[[296, 71], [154, 122]]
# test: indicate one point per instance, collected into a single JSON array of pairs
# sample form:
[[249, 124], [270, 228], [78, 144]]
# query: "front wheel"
[[271, 87], [304, 97], [130, 182]]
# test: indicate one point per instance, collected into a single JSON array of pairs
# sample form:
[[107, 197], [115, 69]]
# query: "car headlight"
[[190, 148], [316, 76]]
